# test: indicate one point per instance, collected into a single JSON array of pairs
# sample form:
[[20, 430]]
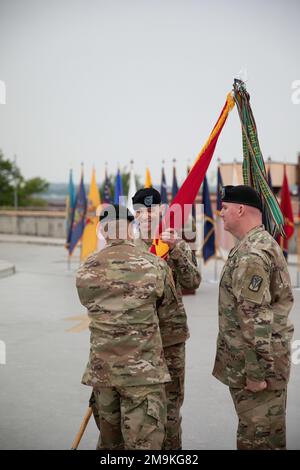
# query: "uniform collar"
[[120, 242], [258, 228], [147, 243]]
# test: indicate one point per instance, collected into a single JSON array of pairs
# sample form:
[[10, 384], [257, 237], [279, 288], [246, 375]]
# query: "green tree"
[[29, 189], [11, 178]]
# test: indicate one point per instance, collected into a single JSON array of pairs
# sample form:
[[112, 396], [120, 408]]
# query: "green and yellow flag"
[[254, 170]]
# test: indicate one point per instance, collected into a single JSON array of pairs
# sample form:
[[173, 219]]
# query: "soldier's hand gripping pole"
[[82, 428]]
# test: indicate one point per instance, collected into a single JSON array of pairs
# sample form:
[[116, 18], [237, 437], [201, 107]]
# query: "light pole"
[[15, 184]]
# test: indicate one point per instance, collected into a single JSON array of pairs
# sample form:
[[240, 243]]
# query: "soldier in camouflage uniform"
[[120, 287], [173, 320], [253, 346]]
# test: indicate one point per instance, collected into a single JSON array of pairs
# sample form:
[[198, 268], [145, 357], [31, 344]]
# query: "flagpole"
[[217, 235], [219, 226], [69, 204], [269, 163], [162, 172], [80, 257], [131, 171], [216, 268]]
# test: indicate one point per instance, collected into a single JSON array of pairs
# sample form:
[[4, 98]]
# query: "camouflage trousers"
[[261, 419], [130, 418], [175, 359]]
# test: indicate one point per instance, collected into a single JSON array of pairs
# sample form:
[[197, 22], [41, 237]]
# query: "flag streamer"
[[254, 171]]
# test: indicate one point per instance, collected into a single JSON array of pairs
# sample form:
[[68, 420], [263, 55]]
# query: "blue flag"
[[208, 248], [119, 196], [107, 190], [163, 187], [269, 177], [70, 203], [219, 191], [71, 190], [78, 218], [174, 183]]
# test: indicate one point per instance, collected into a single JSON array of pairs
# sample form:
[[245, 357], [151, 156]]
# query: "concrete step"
[[8, 238], [6, 269]]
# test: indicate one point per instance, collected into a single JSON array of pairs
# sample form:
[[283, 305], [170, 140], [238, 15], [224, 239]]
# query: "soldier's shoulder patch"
[[255, 283]]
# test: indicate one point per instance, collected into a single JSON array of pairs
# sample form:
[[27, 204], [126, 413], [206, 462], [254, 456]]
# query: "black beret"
[[146, 197], [242, 194], [115, 212]]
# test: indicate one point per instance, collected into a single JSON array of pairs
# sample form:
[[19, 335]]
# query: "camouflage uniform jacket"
[[255, 299], [120, 287], [172, 317]]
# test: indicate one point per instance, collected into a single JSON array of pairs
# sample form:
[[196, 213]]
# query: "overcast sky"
[[98, 81]]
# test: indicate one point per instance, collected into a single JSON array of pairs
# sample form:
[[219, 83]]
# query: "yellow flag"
[[89, 237], [148, 182]]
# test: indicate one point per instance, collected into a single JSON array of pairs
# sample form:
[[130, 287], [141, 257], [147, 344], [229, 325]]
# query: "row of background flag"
[[81, 218]]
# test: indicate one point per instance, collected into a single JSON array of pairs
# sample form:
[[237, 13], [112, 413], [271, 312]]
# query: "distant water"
[[57, 192]]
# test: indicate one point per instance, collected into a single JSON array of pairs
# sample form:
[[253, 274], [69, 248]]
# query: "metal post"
[[15, 185]]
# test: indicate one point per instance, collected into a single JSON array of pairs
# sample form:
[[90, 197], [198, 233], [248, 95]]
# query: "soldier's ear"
[[241, 210]]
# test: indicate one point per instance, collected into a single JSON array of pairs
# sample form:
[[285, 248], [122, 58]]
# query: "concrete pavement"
[[6, 268]]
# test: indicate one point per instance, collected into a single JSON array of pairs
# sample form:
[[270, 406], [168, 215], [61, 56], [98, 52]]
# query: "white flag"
[[131, 191]]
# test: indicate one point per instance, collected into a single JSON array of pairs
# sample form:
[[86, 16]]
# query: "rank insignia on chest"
[[255, 283]]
